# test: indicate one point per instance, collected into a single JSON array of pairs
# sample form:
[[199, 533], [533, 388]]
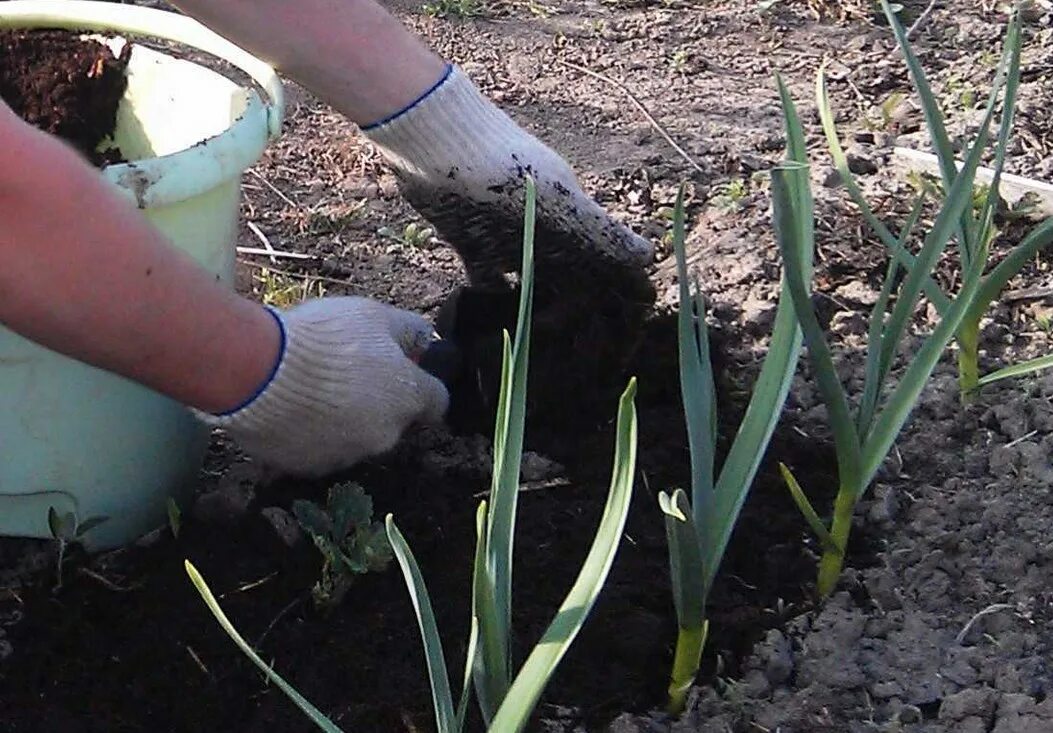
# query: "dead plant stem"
[[640, 106]]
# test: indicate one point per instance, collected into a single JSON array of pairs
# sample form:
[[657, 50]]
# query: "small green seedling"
[[350, 541], [413, 234], [1044, 321], [730, 195], [282, 290], [679, 60], [67, 530], [884, 116], [332, 219]]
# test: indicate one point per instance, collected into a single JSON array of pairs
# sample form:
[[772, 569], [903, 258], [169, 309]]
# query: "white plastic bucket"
[[80, 439]]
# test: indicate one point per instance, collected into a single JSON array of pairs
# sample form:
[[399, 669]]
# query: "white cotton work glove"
[[345, 388], [461, 163]]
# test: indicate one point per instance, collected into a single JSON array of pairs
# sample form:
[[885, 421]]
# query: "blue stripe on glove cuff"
[[282, 343], [442, 79]]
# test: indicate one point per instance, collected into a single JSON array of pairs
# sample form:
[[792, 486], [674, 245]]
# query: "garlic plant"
[[698, 529]]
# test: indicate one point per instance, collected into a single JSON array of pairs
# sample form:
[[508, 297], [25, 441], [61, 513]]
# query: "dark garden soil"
[[64, 85], [369, 645], [942, 621]]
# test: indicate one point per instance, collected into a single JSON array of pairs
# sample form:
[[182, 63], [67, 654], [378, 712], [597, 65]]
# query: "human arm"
[[85, 274], [308, 390], [460, 160], [352, 54]]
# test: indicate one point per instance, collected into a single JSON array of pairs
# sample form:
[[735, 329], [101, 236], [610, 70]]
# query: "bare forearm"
[[352, 53], [86, 275]]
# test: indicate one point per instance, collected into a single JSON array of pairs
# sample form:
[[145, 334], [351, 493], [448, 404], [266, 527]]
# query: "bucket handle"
[[109, 17]]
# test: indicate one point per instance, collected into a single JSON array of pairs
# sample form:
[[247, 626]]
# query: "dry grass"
[[843, 9]]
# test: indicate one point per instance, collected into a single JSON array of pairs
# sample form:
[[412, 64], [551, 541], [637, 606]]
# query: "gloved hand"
[[345, 387], [461, 163]]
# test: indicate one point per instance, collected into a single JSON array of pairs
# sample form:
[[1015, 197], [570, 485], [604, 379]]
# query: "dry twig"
[[274, 254], [290, 273], [106, 582], [640, 106], [922, 19], [281, 614], [995, 608]]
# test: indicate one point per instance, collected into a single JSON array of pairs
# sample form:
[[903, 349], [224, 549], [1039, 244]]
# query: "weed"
[[959, 94], [350, 542], [1044, 322], [67, 530], [730, 196], [886, 113], [332, 219], [412, 235], [679, 60]]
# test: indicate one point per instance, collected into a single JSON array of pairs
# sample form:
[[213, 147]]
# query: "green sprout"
[[331, 218], [975, 229], [67, 530], [730, 195], [862, 440], [350, 542], [887, 111], [412, 235], [698, 530], [507, 702], [1044, 321], [679, 59]]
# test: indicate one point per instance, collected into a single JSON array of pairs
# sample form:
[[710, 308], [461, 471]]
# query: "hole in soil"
[[930, 710], [582, 335], [65, 86]]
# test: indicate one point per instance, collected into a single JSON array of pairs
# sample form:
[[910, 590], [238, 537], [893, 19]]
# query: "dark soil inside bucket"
[[80, 661], [65, 85]]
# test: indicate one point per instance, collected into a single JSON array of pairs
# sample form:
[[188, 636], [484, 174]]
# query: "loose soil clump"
[[65, 85]]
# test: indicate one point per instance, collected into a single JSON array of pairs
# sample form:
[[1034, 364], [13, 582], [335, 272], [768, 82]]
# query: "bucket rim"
[[158, 181]]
